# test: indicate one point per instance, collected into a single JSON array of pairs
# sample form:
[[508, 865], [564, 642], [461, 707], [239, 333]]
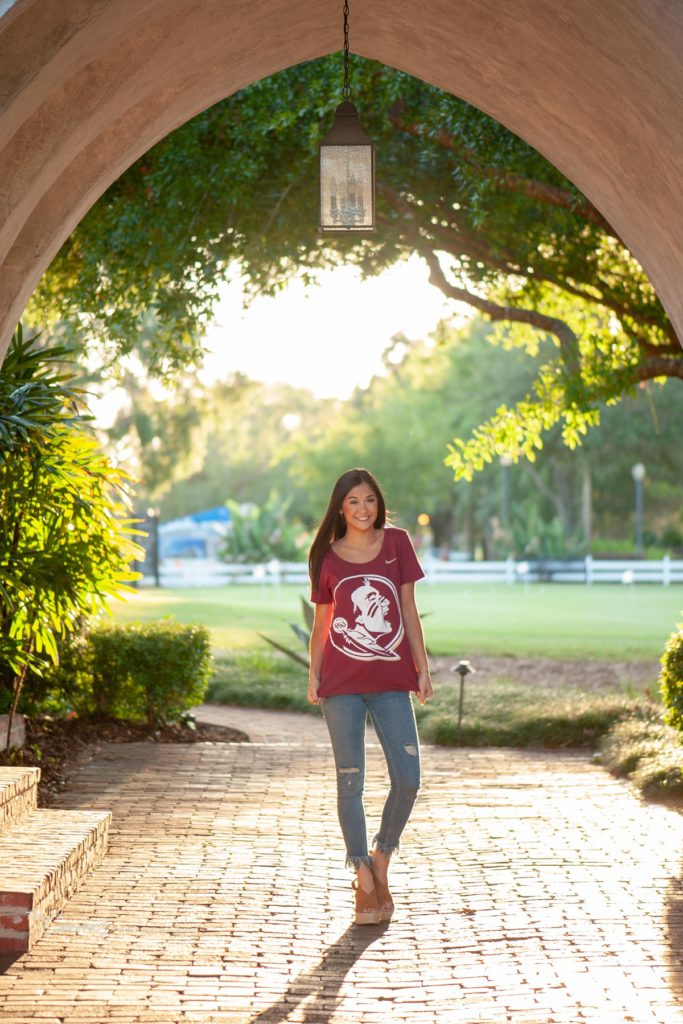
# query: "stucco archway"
[[89, 85]]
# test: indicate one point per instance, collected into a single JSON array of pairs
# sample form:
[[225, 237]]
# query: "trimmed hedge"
[[671, 679], [149, 670]]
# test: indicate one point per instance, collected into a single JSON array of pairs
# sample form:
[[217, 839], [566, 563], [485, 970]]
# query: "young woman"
[[367, 655]]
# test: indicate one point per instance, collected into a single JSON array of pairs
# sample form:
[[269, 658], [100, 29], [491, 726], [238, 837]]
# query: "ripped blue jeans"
[[393, 718]]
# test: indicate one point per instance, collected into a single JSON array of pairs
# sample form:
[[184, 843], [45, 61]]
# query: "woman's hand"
[[312, 692], [424, 683]]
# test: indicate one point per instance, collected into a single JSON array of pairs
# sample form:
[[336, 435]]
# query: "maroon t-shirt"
[[367, 648]]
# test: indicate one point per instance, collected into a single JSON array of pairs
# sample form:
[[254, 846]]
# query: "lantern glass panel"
[[346, 188]]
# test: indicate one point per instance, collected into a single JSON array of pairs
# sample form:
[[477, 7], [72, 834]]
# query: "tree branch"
[[662, 360], [552, 325], [479, 251], [540, 191], [508, 265], [515, 314], [660, 367], [474, 246], [673, 349], [547, 492], [468, 244], [276, 208]]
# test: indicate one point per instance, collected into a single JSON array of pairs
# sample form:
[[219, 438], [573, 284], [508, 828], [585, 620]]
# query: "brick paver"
[[262, 726], [531, 887]]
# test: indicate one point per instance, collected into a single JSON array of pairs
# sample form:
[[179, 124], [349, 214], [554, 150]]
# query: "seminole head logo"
[[369, 626]]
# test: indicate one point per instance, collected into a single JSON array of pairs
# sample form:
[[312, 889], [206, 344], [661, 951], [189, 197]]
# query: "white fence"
[[205, 572], [586, 570]]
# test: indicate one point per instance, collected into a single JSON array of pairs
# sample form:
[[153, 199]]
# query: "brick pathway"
[[263, 726], [531, 888]]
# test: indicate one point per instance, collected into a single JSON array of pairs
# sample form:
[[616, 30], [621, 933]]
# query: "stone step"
[[18, 794], [43, 860]]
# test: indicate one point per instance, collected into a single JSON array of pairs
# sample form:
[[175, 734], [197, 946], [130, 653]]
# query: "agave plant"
[[304, 634]]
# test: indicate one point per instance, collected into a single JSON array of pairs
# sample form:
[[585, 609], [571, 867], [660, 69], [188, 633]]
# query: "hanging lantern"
[[347, 165]]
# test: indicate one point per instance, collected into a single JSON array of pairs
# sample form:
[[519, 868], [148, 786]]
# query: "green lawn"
[[498, 712], [547, 621], [543, 620]]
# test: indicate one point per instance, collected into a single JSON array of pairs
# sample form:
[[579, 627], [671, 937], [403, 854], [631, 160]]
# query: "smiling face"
[[359, 508]]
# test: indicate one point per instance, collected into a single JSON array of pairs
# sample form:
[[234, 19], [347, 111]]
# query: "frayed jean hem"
[[355, 862], [378, 847], [384, 848]]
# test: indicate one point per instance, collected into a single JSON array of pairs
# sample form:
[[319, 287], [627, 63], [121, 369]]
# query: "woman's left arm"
[[413, 626]]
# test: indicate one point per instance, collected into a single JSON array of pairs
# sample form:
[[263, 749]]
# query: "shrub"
[[151, 670], [648, 752], [260, 533], [65, 686], [65, 543], [671, 679]]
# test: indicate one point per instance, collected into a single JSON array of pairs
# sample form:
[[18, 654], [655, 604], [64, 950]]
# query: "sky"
[[328, 338]]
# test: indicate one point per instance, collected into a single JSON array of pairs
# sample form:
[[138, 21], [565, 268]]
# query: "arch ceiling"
[[86, 86]]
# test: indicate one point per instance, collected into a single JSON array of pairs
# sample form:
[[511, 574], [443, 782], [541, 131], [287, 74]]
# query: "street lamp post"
[[638, 474], [506, 462], [153, 516]]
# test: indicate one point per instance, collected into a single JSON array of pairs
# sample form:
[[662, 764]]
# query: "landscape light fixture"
[[463, 668], [347, 165]]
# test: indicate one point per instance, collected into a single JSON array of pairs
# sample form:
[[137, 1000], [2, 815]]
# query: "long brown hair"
[[333, 525]]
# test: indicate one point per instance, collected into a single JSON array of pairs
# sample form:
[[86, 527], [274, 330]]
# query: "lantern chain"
[[346, 91]]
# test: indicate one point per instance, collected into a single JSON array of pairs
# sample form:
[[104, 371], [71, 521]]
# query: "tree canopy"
[[242, 440], [235, 191]]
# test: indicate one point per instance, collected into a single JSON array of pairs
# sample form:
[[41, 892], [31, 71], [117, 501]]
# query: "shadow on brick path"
[[7, 961], [322, 983], [674, 927], [532, 887]]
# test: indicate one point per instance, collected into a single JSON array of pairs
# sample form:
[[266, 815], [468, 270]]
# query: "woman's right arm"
[[321, 627]]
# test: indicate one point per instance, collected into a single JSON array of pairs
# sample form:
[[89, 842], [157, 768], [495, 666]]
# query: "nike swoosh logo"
[[390, 560]]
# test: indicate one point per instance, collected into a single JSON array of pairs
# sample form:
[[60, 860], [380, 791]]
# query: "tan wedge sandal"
[[367, 907], [384, 898]]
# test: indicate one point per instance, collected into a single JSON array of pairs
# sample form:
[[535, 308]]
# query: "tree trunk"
[[587, 503], [562, 486], [470, 525], [442, 524], [17, 688]]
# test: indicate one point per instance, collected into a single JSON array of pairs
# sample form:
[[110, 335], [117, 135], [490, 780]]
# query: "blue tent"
[[219, 514], [195, 536]]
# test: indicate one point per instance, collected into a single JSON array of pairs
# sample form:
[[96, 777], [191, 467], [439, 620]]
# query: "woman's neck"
[[360, 540]]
